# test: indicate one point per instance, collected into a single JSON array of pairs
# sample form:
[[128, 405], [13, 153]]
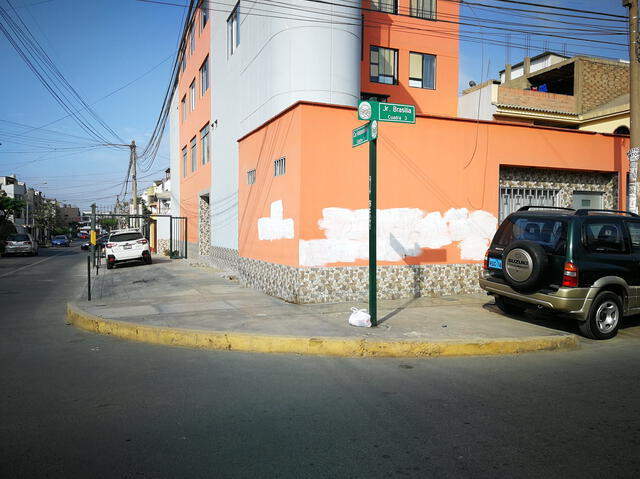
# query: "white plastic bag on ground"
[[360, 317]]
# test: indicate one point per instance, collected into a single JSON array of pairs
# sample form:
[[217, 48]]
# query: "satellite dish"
[[472, 83]]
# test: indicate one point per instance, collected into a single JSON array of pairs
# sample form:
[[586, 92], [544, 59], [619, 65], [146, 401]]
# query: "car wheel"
[[604, 317], [109, 265], [509, 307], [524, 264]]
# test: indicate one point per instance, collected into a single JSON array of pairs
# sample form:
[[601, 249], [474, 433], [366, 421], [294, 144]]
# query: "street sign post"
[[374, 111]]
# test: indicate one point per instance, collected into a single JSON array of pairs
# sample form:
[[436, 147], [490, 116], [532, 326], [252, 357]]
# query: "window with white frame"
[[423, 9], [279, 167], [194, 157], [204, 76], [192, 41], [387, 6], [383, 66], [251, 177], [192, 95], [183, 105], [233, 30], [422, 70], [184, 161], [205, 148], [204, 14]]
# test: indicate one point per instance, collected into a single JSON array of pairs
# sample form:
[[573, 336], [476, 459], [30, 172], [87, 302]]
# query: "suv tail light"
[[570, 275], [142, 241], [110, 245], [485, 265], [27, 242]]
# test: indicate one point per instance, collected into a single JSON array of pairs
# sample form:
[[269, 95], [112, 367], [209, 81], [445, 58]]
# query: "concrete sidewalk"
[[174, 303]]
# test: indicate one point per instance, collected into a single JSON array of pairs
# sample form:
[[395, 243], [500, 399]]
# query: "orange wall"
[[281, 137], [437, 164], [407, 34], [196, 182]]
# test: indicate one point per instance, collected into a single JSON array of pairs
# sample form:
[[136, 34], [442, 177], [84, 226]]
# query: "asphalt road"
[[74, 404]]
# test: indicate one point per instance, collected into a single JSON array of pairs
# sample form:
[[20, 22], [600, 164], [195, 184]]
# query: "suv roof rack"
[[528, 207], [587, 211]]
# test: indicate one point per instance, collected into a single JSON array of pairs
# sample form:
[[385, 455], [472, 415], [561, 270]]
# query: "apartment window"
[[279, 167], [233, 30], [204, 14], [192, 95], [383, 65], [387, 6], [205, 151], [183, 105], [192, 41], [422, 70], [251, 177], [193, 154], [423, 9], [184, 161], [204, 77], [364, 96]]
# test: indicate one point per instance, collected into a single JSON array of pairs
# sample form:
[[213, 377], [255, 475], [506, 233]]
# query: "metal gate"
[[178, 237], [512, 199]]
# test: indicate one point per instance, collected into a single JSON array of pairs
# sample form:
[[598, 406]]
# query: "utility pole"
[[634, 102], [134, 183], [92, 234]]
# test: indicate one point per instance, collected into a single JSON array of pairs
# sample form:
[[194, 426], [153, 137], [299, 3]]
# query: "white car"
[[127, 245], [21, 243]]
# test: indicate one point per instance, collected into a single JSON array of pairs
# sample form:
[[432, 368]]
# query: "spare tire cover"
[[524, 264]]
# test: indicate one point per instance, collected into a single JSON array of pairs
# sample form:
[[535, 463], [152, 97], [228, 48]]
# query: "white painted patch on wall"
[[276, 226], [401, 232]]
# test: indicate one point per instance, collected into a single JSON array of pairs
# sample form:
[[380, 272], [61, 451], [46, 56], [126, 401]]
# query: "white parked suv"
[[127, 245]]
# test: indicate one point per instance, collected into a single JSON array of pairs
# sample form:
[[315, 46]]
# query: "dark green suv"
[[585, 263]]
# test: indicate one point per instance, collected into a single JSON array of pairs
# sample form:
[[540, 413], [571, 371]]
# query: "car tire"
[[509, 307], [604, 317], [524, 265], [109, 265]]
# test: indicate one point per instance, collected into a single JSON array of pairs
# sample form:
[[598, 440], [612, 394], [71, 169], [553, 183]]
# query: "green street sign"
[[360, 135], [364, 133], [396, 113]]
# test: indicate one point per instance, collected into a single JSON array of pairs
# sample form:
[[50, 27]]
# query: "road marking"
[[28, 266]]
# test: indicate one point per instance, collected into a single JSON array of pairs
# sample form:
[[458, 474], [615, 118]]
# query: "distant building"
[[17, 190], [584, 93]]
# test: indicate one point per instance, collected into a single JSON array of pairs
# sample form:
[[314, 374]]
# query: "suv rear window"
[[550, 233], [125, 237], [18, 238]]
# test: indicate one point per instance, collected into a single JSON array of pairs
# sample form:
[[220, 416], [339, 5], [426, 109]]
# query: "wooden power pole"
[[634, 103]]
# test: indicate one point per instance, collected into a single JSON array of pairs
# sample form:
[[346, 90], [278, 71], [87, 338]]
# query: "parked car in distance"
[[60, 240], [101, 241], [127, 245], [582, 263], [83, 235], [21, 243]]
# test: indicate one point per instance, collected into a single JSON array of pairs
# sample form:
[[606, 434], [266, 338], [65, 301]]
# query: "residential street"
[[75, 404]]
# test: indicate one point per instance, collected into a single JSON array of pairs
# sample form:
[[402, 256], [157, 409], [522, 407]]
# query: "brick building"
[[585, 93]]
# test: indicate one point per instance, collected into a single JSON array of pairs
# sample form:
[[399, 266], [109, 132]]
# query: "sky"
[[118, 55]]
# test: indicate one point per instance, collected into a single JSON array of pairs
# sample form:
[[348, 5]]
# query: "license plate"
[[127, 246], [495, 263]]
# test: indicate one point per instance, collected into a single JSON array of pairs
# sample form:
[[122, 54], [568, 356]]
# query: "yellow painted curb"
[[321, 346]]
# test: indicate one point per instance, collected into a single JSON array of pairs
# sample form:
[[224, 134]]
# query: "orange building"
[[289, 194]]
